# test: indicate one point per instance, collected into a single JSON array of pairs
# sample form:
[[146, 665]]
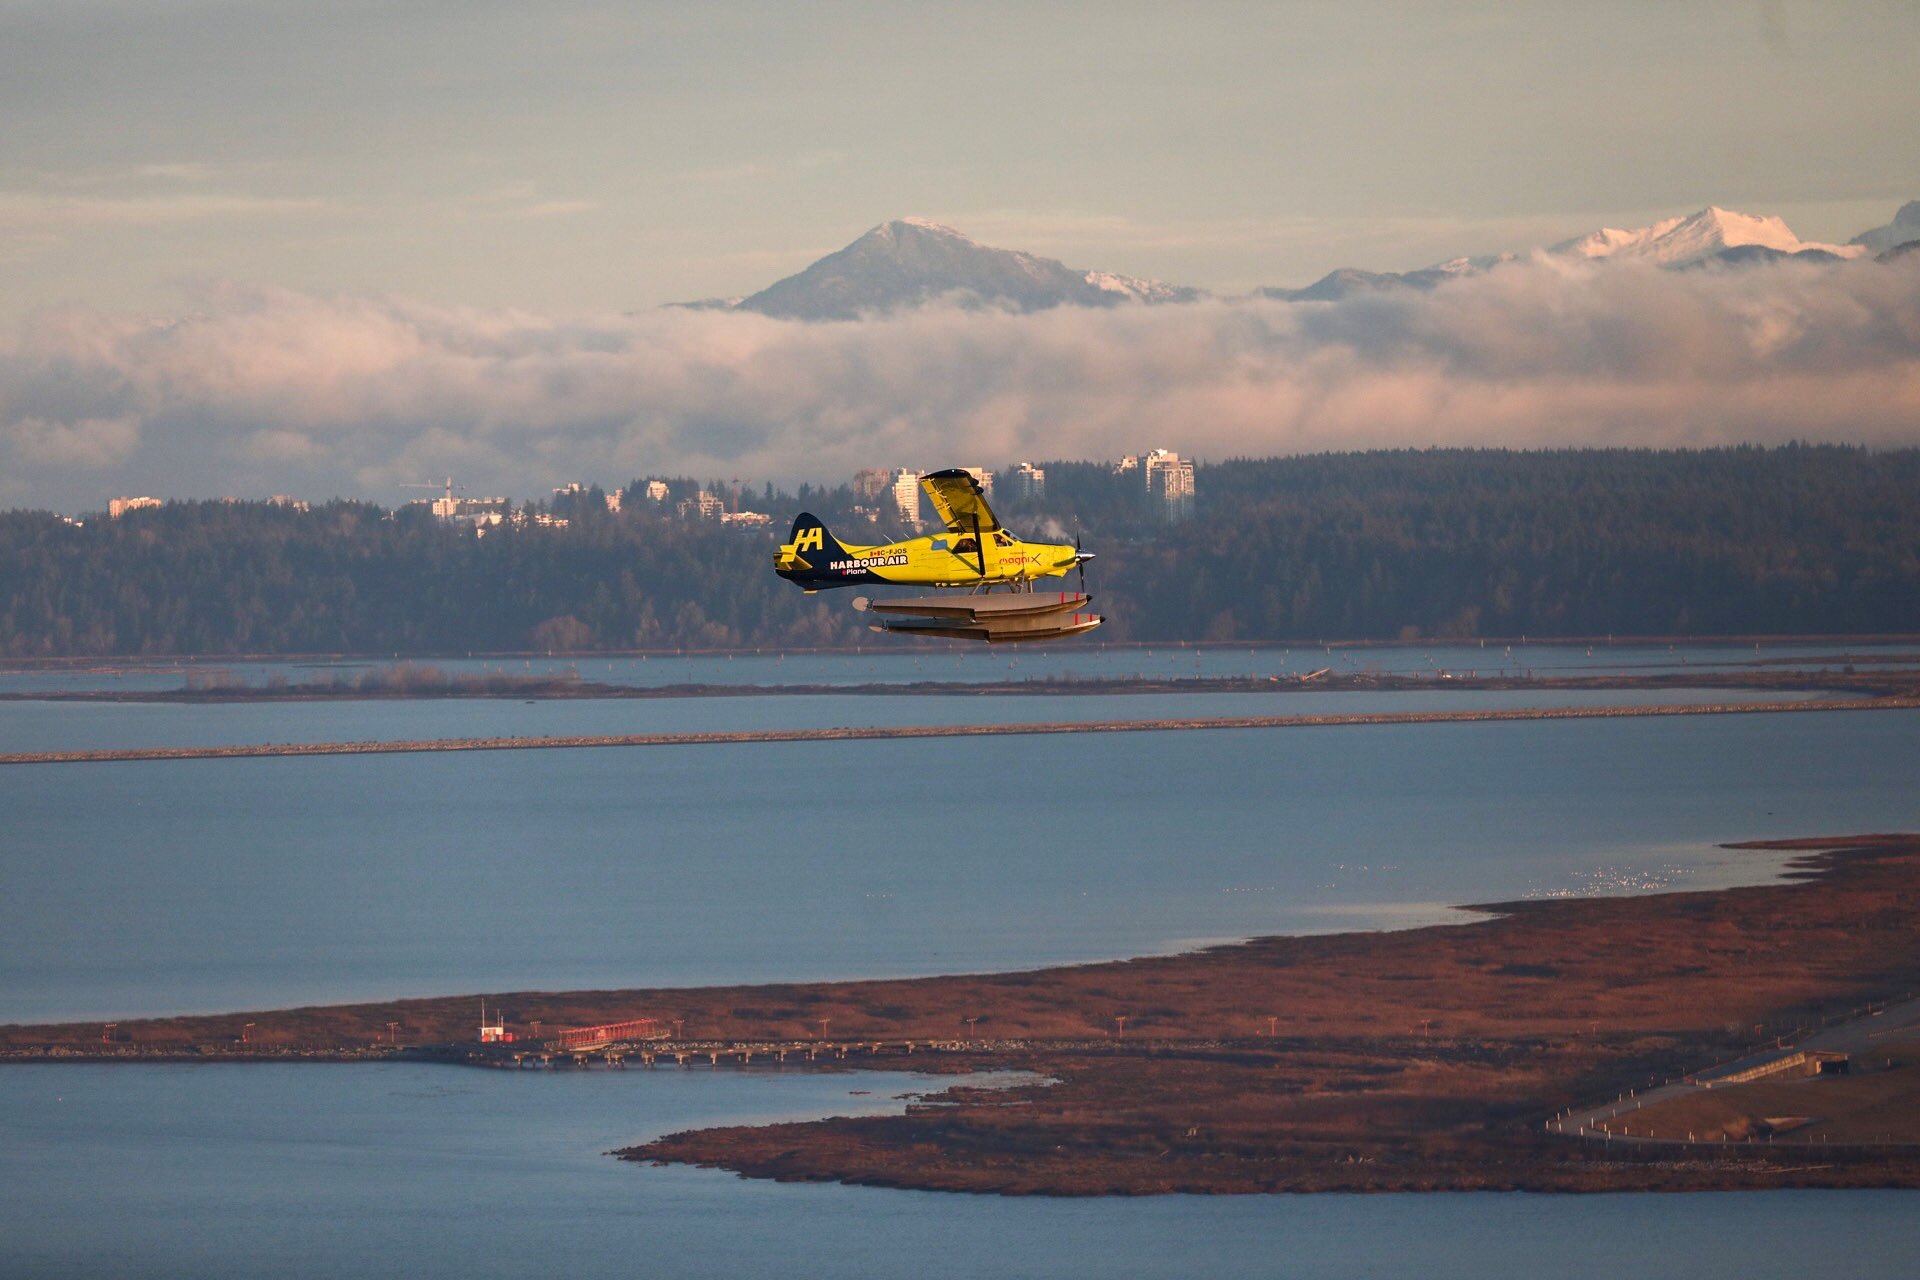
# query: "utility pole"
[[393, 1029], [1273, 1027], [823, 1027], [969, 1022], [1120, 1020]]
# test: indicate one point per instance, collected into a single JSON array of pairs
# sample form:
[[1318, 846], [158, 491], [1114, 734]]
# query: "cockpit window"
[[1003, 538], [965, 546]]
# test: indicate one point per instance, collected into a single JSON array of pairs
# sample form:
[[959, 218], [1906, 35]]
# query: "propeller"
[[1079, 561]]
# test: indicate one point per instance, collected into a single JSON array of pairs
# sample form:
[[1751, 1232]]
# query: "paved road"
[[1614, 1121]]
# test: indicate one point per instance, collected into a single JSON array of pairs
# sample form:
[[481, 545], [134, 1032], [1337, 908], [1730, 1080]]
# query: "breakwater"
[[865, 733]]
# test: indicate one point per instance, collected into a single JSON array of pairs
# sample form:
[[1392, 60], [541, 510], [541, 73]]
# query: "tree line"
[[1382, 545]]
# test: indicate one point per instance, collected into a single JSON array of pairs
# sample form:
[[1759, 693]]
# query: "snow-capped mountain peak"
[[925, 224], [910, 262], [1710, 232]]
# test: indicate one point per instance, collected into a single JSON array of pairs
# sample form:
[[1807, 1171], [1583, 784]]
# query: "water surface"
[[394, 1170], [182, 886]]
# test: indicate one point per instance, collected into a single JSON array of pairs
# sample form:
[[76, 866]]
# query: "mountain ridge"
[[912, 262]]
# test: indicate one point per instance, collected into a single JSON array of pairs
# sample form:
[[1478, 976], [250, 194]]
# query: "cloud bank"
[[259, 390]]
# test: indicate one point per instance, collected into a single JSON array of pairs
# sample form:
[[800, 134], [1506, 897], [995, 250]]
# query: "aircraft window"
[[965, 545], [1003, 538]]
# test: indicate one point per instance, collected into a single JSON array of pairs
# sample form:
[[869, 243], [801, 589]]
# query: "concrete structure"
[[905, 493], [476, 511], [702, 506], [1787, 1062], [870, 482], [120, 506], [1170, 482], [1027, 483], [656, 491]]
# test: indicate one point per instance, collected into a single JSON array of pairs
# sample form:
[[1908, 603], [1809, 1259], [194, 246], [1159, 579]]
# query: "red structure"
[[608, 1033]]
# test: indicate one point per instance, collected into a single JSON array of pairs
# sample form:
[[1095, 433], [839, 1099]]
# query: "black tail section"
[[811, 540], [828, 564]]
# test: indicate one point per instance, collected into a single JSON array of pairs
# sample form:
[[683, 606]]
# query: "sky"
[[297, 246]]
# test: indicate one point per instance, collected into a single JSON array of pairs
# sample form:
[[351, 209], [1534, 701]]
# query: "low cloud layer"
[[255, 391]]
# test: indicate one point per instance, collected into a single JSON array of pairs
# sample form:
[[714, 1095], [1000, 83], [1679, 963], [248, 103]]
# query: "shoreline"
[[1895, 675], [169, 660], [1424, 1059], [898, 732]]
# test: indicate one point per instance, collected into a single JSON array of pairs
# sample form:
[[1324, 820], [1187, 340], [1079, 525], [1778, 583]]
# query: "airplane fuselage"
[[815, 560]]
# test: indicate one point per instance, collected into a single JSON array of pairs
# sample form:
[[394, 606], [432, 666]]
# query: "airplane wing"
[[956, 496]]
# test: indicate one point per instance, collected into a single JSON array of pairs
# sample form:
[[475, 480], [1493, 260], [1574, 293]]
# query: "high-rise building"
[[870, 482], [982, 477], [1027, 483], [120, 506], [906, 495], [1170, 482], [702, 506]]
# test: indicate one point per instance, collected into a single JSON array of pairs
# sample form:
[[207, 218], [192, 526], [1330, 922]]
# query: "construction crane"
[[444, 506]]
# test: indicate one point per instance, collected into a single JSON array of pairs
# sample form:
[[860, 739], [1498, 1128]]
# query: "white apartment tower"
[[906, 495], [1170, 483], [1027, 483]]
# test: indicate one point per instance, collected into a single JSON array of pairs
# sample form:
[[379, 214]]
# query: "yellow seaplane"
[[973, 557]]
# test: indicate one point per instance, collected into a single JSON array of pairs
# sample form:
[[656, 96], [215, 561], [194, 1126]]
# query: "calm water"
[[161, 887], [318, 1171], [206, 885]]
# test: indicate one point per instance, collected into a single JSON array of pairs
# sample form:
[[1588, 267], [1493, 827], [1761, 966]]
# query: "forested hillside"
[[1380, 545]]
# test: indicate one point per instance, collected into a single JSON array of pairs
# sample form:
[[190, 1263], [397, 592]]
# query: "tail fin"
[[809, 535], [814, 558]]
